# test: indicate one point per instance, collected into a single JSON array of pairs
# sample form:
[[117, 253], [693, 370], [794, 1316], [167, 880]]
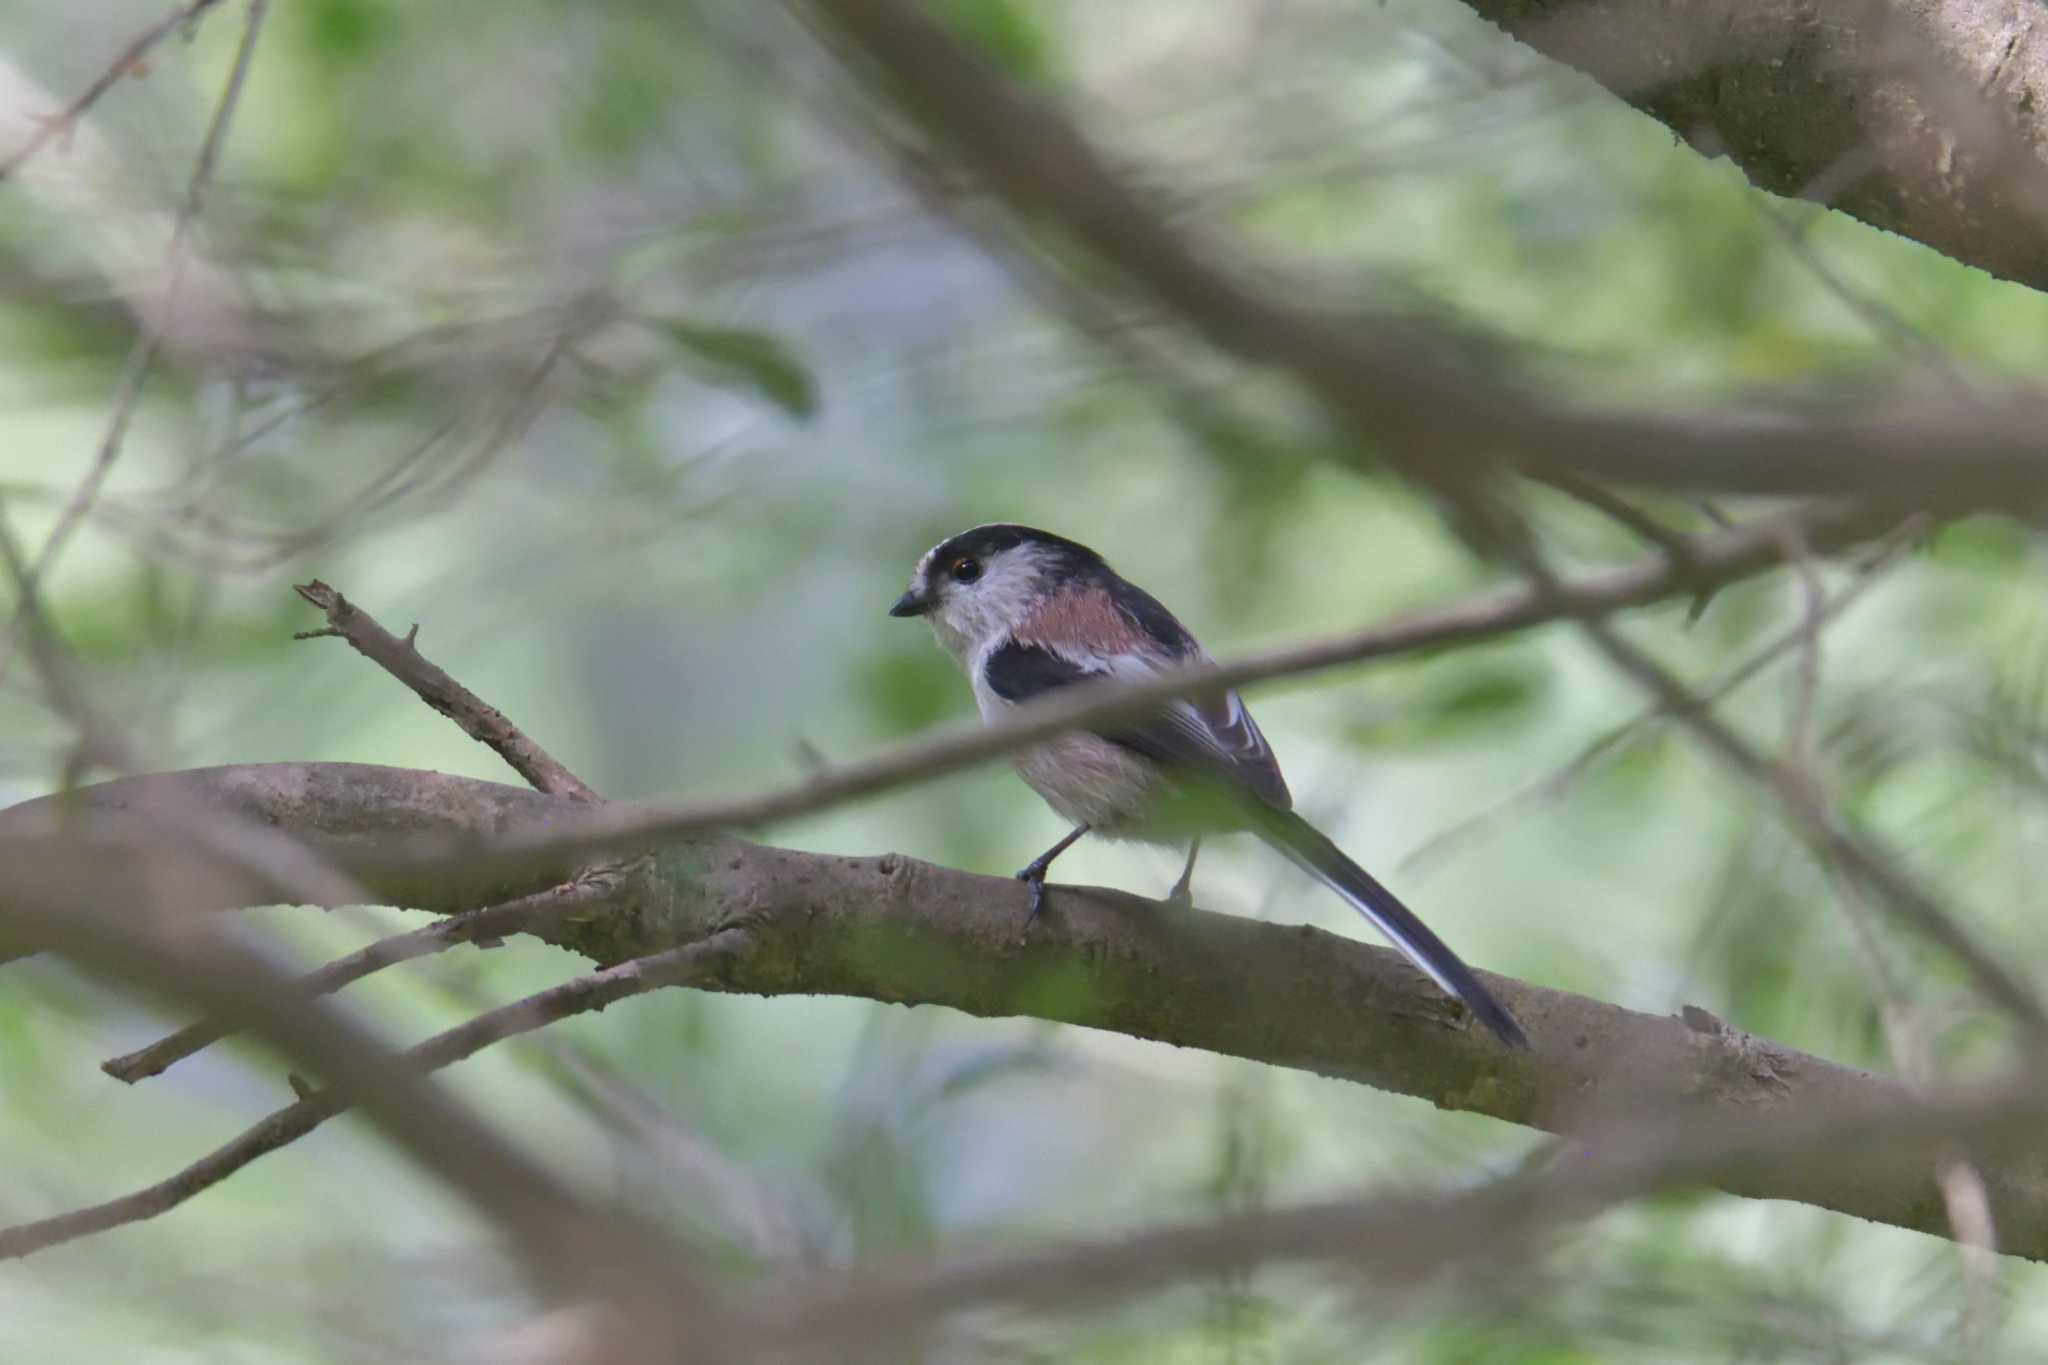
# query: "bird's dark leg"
[[1182, 897], [1034, 871]]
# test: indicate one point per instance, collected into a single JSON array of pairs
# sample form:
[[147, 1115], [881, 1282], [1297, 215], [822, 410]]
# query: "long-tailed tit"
[[1023, 612]]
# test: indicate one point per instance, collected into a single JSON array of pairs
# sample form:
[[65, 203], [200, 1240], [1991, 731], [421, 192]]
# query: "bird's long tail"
[[1310, 850]]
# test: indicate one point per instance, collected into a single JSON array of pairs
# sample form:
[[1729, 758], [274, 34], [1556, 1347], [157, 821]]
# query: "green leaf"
[[755, 358], [1469, 700], [1483, 696]]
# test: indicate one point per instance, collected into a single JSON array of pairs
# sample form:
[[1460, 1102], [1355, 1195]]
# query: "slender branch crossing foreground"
[[1715, 558], [1408, 391]]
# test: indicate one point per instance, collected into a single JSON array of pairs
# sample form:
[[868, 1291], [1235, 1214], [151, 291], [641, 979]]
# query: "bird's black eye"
[[965, 569]]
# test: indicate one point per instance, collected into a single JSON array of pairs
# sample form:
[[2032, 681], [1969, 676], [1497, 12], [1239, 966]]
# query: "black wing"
[[1213, 734]]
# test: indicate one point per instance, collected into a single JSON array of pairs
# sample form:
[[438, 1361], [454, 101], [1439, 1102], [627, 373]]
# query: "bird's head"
[[980, 585]]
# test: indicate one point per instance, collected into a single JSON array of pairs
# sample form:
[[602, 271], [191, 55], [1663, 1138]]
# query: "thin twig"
[[1880, 317], [1563, 778], [100, 740], [1961, 1185], [523, 914], [1618, 510], [1637, 522], [135, 370], [478, 719], [757, 1212], [1863, 861], [59, 125], [1799, 755], [593, 991], [1967, 1202]]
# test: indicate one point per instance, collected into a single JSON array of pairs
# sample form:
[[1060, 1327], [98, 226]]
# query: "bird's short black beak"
[[910, 604]]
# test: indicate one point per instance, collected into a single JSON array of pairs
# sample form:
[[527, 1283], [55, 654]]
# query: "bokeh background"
[[627, 348]]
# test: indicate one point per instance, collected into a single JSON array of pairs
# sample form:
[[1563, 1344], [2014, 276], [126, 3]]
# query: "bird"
[[1025, 612]]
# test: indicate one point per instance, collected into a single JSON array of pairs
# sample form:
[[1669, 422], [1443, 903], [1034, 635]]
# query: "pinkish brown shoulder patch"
[[1088, 619]]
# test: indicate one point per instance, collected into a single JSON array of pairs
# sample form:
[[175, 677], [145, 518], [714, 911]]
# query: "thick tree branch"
[[891, 928], [358, 816], [1928, 118]]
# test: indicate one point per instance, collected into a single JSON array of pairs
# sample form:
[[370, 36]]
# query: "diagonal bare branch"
[[1407, 390], [593, 991], [1720, 556], [1863, 861], [57, 126], [536, 856], [478, 719], [100, 741], [516, 916], [142, 355], [1609, 741]]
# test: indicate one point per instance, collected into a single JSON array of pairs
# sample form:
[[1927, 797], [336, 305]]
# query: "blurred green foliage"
[[668, 553], [1015, 35]]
